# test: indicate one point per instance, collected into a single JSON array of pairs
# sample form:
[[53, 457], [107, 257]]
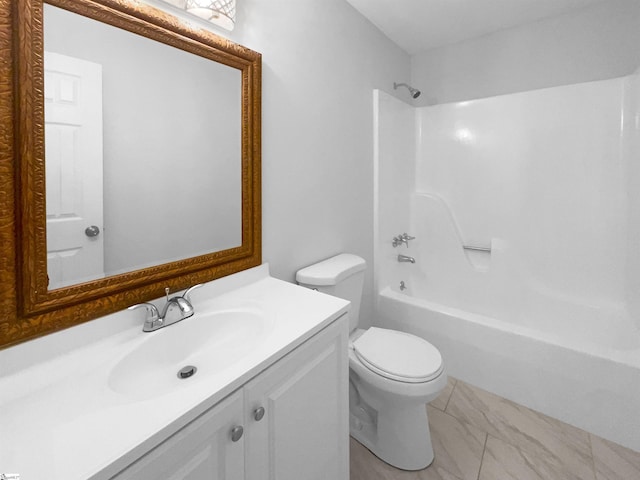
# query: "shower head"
[[415, 93]]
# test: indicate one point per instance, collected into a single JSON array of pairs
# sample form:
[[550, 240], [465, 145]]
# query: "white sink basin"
[[211, 342]]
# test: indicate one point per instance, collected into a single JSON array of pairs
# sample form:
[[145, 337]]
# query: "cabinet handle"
[[236, 433], [258, 413]]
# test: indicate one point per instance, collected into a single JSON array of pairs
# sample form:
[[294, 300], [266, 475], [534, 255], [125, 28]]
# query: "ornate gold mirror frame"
[[27, 308]]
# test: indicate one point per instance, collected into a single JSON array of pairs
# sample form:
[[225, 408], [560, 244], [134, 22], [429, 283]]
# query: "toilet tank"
[[341, 276]]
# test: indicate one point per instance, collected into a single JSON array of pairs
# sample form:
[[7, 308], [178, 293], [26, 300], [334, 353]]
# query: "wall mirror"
[[133, 160]]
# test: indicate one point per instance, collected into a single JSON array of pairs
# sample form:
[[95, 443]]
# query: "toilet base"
[[398, 436]]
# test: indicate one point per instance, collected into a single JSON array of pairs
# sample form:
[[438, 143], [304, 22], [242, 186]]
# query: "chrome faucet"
[[177, 308], [402, 238], [405, 258]]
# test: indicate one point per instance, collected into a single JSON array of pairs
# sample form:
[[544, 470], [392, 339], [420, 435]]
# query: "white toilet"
[[392, 374]]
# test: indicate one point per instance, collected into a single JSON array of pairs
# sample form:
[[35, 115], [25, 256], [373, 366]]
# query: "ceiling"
[[419, 25]]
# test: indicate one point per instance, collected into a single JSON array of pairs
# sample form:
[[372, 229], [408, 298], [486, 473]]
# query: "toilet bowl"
[[392, 374], [392, 386]]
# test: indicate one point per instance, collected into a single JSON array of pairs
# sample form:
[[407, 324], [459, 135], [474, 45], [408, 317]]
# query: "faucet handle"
[[402, 238], [406, 237], [187, 293], [153, 316], [151, 308]]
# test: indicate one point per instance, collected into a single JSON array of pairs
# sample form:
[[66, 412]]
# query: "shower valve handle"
[[402, 238]]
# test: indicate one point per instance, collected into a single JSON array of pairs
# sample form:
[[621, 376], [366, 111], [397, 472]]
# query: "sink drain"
[[188, 371]]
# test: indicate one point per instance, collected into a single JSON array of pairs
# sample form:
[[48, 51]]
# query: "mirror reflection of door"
[[73, 140]]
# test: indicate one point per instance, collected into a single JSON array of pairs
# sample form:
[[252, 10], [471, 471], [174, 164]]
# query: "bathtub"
[[573, 357], [587, 384], [544, 309]]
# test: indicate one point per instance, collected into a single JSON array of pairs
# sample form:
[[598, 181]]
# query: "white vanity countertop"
[[59, 417]]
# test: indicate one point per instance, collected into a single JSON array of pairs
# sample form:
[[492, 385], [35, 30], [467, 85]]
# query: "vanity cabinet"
[[293, 416], [304, 433], [201, 450]]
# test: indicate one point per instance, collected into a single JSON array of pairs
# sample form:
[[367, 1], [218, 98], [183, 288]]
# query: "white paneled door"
[[73, 153]]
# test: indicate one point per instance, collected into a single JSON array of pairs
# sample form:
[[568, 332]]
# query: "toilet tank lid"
[[332, 270]]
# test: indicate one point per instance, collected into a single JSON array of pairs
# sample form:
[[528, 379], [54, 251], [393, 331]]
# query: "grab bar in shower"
[[476, 248]]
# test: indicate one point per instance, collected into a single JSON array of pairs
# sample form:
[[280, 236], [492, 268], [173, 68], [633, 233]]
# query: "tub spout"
[[405, 258]]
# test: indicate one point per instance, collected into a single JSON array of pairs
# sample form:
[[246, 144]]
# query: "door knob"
[[236, 433], [92, 231]]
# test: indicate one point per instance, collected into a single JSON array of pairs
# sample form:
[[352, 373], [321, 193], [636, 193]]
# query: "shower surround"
[[543, 188]]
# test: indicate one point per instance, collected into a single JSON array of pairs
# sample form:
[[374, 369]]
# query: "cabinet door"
[[203, 450], [304, 432]]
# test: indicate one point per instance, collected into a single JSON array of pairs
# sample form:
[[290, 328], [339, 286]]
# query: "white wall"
[[594, 43], [631, 147], [321, 61], [395, 166]]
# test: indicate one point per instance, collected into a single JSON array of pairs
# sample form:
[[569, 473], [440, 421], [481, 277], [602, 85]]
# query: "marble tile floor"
[[480, 436]]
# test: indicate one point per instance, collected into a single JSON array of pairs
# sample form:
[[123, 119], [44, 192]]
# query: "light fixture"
[[218, 12]]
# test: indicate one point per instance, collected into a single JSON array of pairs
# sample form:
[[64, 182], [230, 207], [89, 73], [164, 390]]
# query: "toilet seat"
[[398, 355]]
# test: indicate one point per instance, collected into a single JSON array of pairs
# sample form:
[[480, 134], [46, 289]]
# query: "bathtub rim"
[[627, 357]]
